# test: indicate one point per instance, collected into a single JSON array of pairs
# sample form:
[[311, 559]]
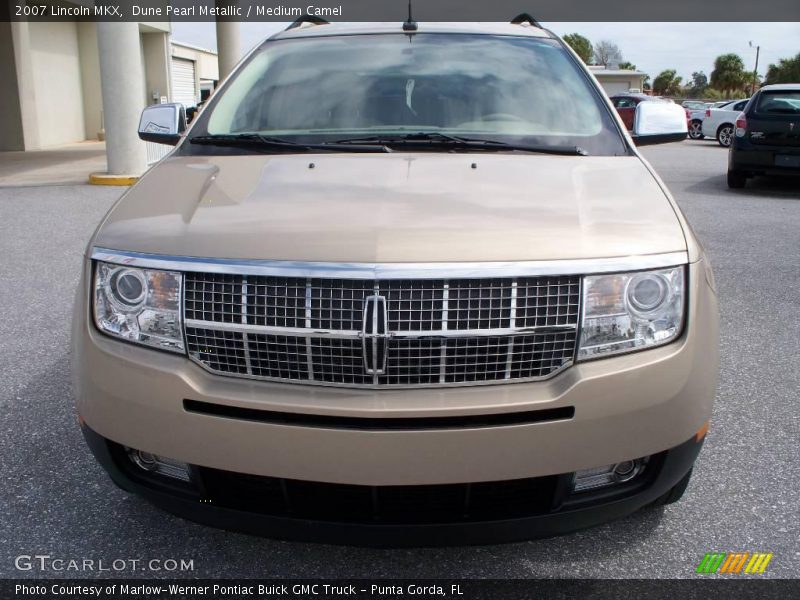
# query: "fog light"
[[608, 475], [159, 464], [625, 471]]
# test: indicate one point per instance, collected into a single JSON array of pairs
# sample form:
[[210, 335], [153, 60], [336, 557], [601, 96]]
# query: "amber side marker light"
[[701, 433]]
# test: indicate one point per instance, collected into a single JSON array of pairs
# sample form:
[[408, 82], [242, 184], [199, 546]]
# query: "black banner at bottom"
[[454, 589]]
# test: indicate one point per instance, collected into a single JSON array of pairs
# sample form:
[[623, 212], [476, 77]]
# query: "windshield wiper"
[[443, 140], [256, 140]]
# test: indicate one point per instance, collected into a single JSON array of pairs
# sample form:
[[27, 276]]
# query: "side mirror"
[[163, 123], [659, 123]]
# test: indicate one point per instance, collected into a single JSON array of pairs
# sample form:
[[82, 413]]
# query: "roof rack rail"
[[525, 18], [307, 19]]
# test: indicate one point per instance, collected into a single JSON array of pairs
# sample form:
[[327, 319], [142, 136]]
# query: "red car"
[[626, 106]]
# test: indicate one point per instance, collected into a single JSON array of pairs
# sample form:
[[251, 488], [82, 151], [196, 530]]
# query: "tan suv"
[[400, 284]]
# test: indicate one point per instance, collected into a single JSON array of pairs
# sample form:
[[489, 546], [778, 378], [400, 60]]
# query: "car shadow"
[[707, 143], [770, 186], [759, 187]]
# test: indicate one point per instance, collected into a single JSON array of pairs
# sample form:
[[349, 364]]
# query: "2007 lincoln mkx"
[[400, 284]]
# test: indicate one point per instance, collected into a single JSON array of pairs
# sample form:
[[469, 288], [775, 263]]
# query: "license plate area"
[[787, 160]]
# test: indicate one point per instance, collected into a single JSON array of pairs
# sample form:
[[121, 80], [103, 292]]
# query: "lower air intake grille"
[[379, 504]]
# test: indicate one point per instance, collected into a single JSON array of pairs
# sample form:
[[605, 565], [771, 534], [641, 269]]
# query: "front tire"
[[696, 130], [736, 180], [725, 136]]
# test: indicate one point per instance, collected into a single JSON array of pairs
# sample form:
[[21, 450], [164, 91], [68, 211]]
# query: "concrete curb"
[[106, 179]]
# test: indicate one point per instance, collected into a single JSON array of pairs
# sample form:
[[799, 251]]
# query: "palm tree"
[[729, 75]]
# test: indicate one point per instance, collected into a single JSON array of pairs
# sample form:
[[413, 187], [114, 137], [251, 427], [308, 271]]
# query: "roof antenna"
[[411, 24]]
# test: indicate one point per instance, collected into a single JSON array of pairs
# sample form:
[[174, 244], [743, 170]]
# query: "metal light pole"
[[755, 71]]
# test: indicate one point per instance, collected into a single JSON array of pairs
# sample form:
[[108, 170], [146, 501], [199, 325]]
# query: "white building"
[[51, 93], [68, 81], [194, 72], [618, 81]]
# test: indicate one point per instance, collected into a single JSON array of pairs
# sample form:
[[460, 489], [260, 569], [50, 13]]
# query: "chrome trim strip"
[[244, 300], [379, 271], [512, 324], [309, 356], [355, 334], [445, 318], [271, 330], [246, 345], [382, 386], [245, 341], [472, 333], [309, 360]]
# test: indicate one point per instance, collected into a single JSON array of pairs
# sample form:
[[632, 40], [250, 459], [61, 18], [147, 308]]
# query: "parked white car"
[[695, 117], [695, 104], [720, 123]]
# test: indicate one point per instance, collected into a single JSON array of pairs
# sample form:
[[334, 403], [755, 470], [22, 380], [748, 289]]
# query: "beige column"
[[23, 57], [229, 43], [122, 84]]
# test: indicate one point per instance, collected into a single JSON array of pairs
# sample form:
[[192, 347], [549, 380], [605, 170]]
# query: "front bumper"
[[761, 159], [426, 519]]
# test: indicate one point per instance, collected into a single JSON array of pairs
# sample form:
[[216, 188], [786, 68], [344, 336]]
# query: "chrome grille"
[[222, 351], [277, 356], [274, 301], [414, 305], [338, 361], [337, 304], [432, 332], [480, 304], [214, 297]]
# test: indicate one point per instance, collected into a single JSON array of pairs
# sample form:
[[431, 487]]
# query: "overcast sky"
[[652, 47]]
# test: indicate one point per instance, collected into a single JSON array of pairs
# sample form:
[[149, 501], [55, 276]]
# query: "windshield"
[[501, 88]]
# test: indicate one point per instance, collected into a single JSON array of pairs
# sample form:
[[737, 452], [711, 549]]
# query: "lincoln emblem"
[[374, 335]]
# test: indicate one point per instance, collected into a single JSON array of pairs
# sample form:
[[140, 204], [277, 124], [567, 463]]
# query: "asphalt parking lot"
[[55, 500]]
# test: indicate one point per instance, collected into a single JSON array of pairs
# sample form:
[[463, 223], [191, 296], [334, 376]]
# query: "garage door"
[[615, 87], [183, 82]]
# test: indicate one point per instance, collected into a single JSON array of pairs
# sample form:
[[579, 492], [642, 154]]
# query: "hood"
[[396, 207]]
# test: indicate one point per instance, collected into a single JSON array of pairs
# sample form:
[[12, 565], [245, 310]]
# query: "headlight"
[[139, 305], [631, 311]]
